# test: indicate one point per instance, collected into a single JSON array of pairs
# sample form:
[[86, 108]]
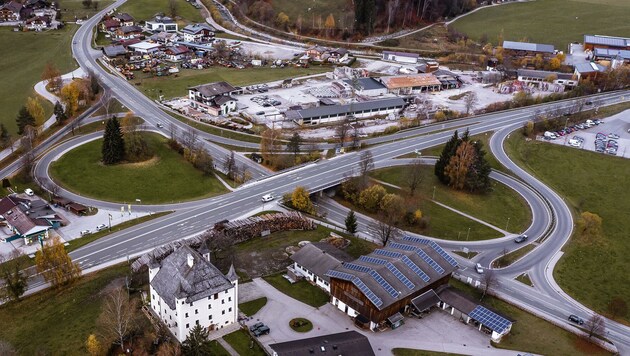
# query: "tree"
[[470, 101], [555, 63], [24, 119], [95, 85], [301, 200], [169, 349], [589, 226], [342, 129], [393, 208], [489, 281], [34, 108], [60, 113], [197, 343], [329, 24], [93, 346], [382, 230], [351, 222], [136, 147], [15, 280], [87, 3], [229, 165], [5, 136], [204, 162], [118, 318], [7, 349], [370, 198], [172, 8], [414, 175], [55, 265], [528, 128], [282, 21], [478, 177], [269, 145], [595, 325], [52, 75], [366, 165], [459, 165], [70, 96], [445, 157], [617, 307], [113, 149], [294, 144]]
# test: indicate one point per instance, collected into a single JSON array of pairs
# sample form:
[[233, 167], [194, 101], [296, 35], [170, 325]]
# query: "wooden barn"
[[377, 288]]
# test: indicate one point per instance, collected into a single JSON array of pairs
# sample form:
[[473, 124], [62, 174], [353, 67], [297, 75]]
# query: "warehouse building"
[[332, 113]]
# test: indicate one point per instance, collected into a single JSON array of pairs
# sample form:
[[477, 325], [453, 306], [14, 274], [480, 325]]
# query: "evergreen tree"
[[294, 143], [351, 222], [24, 119], [113, 149], [5, 136], [445, 157], [478, 179], [196, 343], [59, 112]]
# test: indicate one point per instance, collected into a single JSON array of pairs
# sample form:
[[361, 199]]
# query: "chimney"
[[191, 260]]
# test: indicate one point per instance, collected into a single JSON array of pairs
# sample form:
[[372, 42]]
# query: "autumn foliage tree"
[[35, 108], [52, 75], [589, 226], [458, 165], [462, 165], [329, 24], [55, 265], [70, 96], [93, 346], [301, 200]]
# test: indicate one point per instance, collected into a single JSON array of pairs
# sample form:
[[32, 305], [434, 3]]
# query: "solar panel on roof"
[[400, 246], [490, 319], [340, 275], [383, 283], [356, 267], [426, 258], [416, 239], [387, 253], [396, 272], [417, 270], [373, 260], [367, 292], [443, 253]]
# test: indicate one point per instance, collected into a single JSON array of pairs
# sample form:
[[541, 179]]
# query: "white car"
[[85, 232], [478, 268], [101, 227], [29, 192], [267, 198]]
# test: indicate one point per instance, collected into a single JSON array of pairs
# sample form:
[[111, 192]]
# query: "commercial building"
[[542, 78], [349, 343], [622, 56], [187, 290], [400, 57], [588, 70], [367, 86], [161, 24], [411, 84], [332, 113], [27, 219], [591, 42], [524, 49]]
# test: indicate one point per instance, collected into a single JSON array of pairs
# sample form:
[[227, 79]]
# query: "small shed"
[[78, 209]]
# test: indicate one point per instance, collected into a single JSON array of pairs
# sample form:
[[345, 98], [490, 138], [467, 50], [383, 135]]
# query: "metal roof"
[[347, 343], [543, 74], [589, 67], [607, 40], [366, 84], [524, 46], [401, 54], [612, 53], [345, 109]]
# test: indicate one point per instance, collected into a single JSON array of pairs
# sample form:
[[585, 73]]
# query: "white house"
[[401, 57], [161, 23], [214, 98], [187, 290], [145, 47], [313, 260], [198, 33]]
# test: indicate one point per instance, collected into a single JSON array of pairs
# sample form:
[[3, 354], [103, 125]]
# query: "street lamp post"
[[507, 223], [468, 234], [433, 193], [110, 222]]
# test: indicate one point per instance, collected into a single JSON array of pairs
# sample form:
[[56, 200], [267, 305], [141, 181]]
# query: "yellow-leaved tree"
[[93, 346], [34, 107], [301, 200], [70, 96], [54, 263]]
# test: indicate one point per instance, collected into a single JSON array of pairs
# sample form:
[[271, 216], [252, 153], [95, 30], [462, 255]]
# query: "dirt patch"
[[146, 163], [112, 286]]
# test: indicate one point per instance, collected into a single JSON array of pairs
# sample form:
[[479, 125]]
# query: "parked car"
[[267, 197], [29, 192], [85, 232], [478, 268], [576, 319], [520, 238], [263, 330], [101, 227], [159, 126], [256, 326]]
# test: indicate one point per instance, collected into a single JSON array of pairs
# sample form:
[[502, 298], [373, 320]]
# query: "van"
[[550, 135]]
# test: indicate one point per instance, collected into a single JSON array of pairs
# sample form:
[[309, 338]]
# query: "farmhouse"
[[214, 98], [591, 42], [332, 113], [349, 343], [411, 84], [10, 11], [313, 260], [528, 50], [401, 57], [187, 290], [198, 33], [376, 288], [316, 53], [110, 26], [161, 23]]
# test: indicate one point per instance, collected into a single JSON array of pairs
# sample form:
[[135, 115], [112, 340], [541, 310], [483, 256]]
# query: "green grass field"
[[312, 10], [494, 207], [23, 64], [253, 306], [143, 10], [593, 273], [557, 22], [74, 8], [302, 290], [241, 340], [165, 178], [173, 86]]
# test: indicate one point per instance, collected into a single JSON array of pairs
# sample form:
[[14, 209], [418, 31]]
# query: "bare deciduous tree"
[[382, 229], [190, 139], [229, 165], [595, 325], [470, 101], [172, 129], [341, 130], [489, 281], [366, 165], [414, 175], [118, 318]]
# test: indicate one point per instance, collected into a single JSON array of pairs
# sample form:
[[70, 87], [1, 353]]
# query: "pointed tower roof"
[[231, 275]]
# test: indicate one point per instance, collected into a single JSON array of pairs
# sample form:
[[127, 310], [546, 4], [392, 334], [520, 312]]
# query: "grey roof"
[[162, 19], [349, 343], [543, 74], [319, 257], [176, 280], [345, 109], [607, 40], [231, 275], [402, 54], [223, 99], [612, 53], [399, 256], [467, 305], [12, 6], [123, 16], [524, 46], [196, 28], [367, 84], [114, 50], [214, 89], [590, 67], [130, 29], [425, 300]]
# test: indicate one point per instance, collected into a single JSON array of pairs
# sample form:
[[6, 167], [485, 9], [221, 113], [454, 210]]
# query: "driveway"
[[438, 331]]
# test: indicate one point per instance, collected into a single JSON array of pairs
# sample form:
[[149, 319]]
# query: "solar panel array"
[[383, 283], [367, 291], [417, 270], [356, 267], [426, 258], [443, 253], [340, 275], [490, 319], [403, 247], [388, 253], [396, 272], [373, 260], [416, 239]]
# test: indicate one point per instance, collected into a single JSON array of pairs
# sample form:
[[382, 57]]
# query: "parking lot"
[[610, 136]]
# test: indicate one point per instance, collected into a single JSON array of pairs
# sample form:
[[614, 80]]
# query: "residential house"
[[331, 113], [36, 4], [349, 343], [375, 288], [198, 33], [400, 57], [128, 32], [176, 53], [591, 42], [214, 98], [161, 23], [10, 11], [27, 219], [38, 23], [164, 37], [187, 290], [313, 260], [528, 50], [124, 19], [339, 55], [145, 47], [588, 70], [109, 26], [316, 53], [411, 84]]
